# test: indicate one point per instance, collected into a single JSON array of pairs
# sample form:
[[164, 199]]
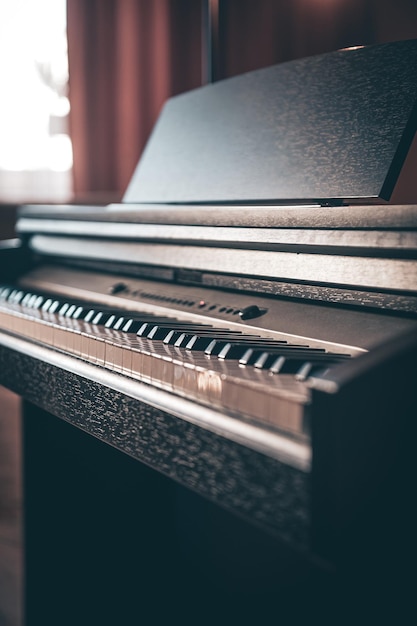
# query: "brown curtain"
[[257, 33], [127, 56]]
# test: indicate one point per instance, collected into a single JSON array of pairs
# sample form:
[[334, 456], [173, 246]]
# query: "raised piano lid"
[[330, 127]]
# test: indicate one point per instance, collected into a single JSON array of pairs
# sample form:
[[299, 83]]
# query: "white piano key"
[[100, 347], [127, 360], [84, 345], [118, 349], [136, 362]]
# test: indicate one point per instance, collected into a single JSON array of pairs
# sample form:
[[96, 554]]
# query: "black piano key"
[[138, 326], [181, 340], [132, 326], [118, 323], [295, 354], [50, 305], [177, 328], [292, 366], [54, 306], [71, 310], [209, 350], [232, 351], [96, 317], [64, 308], [219, 343], [191, 342], [247, 350], [157, 332], [78, 313], [16, 296], [26, 298], [304, 371], [101, 317], [199, 342], [110, 321], [196, 343], [318, 370], [87, 314], [45, 306], [155, 326], [142, 329], [261, 359], [287, 362], [127, 325], [7, 294], [172, 337], [312, 369], [29, 300], [277, 364], [34, 302], [246, 357]]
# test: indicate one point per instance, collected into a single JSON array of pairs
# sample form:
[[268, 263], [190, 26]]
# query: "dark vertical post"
[[212, 66]]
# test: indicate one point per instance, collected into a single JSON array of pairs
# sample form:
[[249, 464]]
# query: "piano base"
[[109, 540]]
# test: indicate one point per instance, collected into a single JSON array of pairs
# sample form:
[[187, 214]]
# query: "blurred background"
[[82, 82]]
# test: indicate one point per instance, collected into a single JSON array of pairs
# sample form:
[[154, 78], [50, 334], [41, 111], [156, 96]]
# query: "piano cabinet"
[[132, 514], [149, 498]]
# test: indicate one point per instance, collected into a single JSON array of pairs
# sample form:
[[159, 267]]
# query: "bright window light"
[[34, 105]]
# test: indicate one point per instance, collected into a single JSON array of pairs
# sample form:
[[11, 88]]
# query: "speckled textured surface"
[[262, 490]]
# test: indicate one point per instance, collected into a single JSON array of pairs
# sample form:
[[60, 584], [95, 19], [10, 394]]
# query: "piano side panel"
[[363, 475]]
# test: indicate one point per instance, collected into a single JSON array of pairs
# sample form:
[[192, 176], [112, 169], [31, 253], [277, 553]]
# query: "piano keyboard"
[[254, 377]]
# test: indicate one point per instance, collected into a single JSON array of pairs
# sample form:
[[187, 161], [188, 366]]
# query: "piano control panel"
[[248, 312]]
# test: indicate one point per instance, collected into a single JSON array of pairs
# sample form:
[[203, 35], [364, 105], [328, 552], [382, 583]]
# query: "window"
[[35, 148]]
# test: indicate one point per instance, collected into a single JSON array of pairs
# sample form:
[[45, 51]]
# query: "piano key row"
[[211, 365], [244, 391], [263, 353]]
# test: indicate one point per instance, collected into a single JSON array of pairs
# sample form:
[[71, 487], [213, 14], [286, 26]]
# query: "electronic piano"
[[245, 321]]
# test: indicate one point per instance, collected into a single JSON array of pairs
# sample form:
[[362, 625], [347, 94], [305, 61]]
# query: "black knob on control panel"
[[252, 311], [118, 288]]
